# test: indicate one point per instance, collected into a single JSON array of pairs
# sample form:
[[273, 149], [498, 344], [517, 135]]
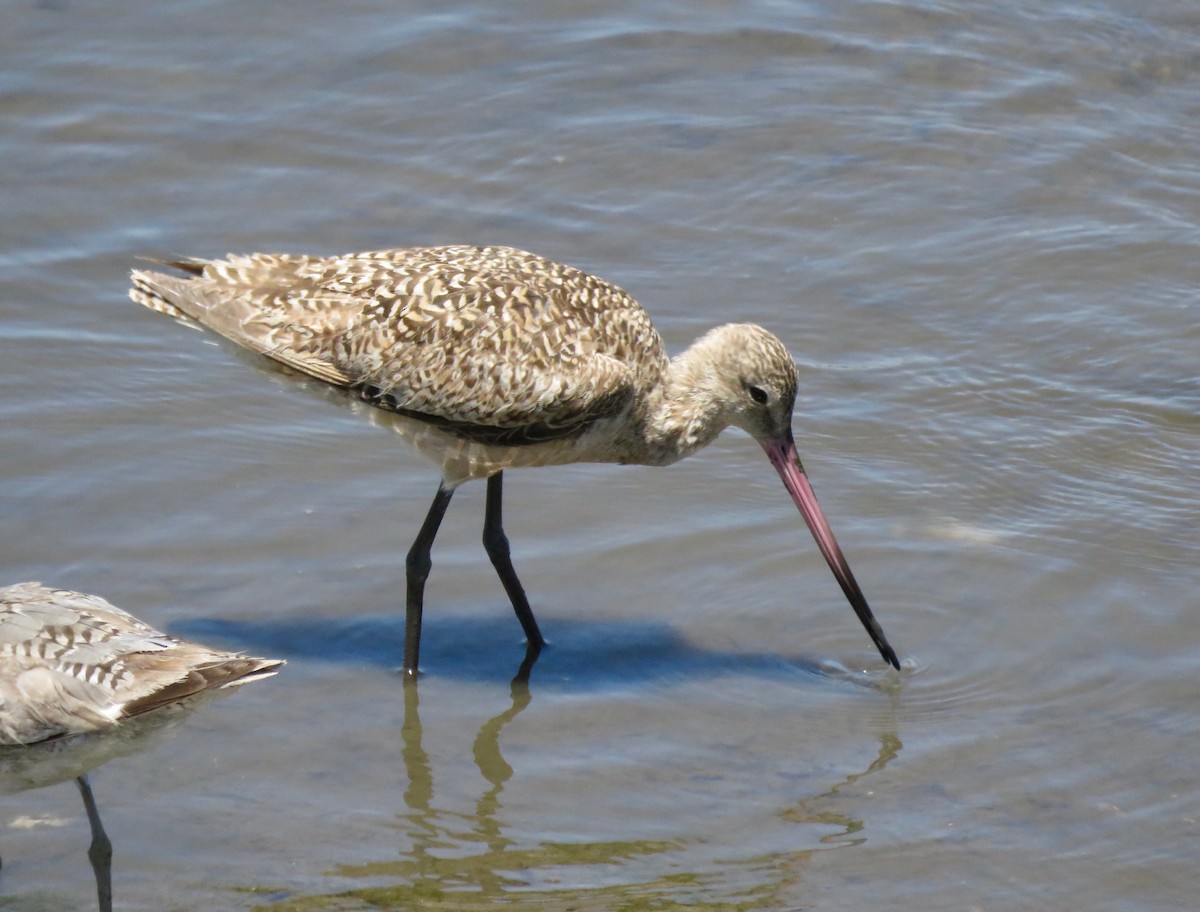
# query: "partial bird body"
[[432, 332], [72, 663], [491, 358]]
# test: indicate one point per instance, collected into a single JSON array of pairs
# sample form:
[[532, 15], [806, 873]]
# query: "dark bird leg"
[[417, 566], [100, 851], [495, 542], [521, 678]]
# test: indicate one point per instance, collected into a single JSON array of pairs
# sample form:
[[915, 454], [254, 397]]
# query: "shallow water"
[[974, 224]]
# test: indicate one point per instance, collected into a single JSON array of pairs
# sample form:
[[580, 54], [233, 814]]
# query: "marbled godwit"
[[494, 358], [73, 665]]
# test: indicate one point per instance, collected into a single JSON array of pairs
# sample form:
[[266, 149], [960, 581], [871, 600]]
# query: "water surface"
[[975, 226]]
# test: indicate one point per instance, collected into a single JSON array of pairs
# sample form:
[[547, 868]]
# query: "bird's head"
[[757, 379]]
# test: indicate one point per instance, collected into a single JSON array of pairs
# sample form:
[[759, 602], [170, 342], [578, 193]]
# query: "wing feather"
[[496, 344]]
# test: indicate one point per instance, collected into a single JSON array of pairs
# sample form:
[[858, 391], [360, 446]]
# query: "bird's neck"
[[685, 411]]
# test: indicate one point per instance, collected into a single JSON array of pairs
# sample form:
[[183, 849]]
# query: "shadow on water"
[[466, 861], [475, 857], [583, 655]]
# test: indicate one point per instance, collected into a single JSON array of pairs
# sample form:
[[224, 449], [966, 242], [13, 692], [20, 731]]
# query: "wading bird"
[[493, 358]]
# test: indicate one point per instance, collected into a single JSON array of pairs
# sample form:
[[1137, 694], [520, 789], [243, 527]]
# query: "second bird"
[[494, 358]]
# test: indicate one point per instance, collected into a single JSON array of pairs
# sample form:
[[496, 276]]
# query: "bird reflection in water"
[[473, 859], [83, 682], [47, 763], [427, 833]]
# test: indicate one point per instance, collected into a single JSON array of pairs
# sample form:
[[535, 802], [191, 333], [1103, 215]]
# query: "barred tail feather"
[[154, 290]]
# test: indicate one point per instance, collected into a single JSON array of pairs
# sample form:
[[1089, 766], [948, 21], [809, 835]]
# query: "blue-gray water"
[[975, 224]]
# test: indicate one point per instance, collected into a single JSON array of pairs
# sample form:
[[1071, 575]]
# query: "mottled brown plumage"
[[481, 341], [72, 663], [490, 358]]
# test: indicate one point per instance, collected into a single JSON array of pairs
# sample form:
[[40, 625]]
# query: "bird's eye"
[[758, 394]]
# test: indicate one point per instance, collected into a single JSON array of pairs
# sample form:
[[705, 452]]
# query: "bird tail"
[[223, 672], [174, 296]]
